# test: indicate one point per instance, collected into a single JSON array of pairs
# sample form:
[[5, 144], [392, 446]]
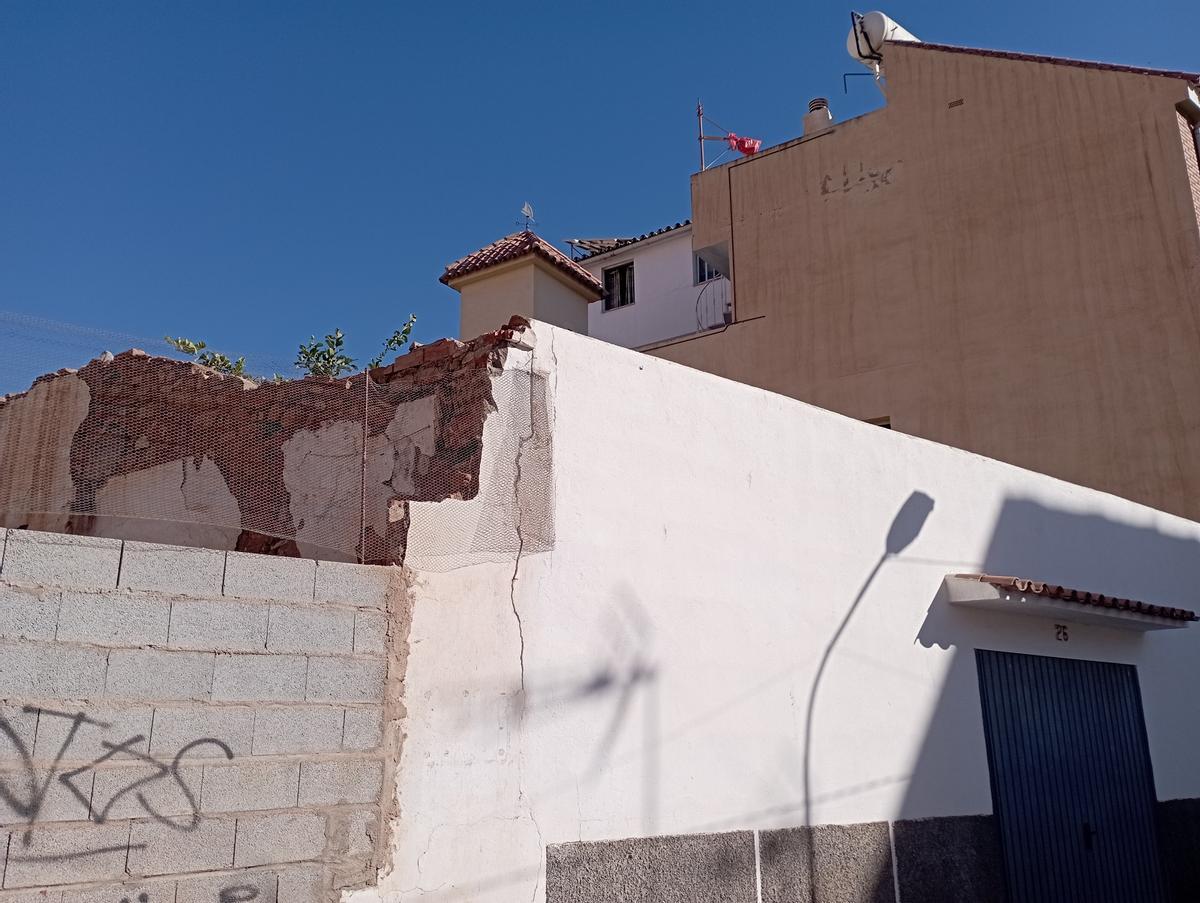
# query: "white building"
[[656, 288], [746, 667]]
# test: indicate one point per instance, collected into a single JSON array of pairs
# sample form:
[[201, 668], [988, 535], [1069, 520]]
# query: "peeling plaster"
[[187, 500], [35, 444]]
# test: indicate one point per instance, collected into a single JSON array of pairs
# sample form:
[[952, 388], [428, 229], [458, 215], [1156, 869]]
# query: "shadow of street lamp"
[[906, 527]]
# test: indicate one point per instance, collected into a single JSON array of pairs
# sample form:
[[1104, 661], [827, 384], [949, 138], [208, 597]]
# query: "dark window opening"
[[885, 422], [705, 271], [618, 286]]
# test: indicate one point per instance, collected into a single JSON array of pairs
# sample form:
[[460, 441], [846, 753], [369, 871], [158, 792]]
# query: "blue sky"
[[252, 173]]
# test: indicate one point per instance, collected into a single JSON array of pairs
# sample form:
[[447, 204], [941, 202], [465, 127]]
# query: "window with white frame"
[[705, 271], [618, 286]]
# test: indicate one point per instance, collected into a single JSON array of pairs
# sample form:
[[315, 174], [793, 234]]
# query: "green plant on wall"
[[396, 342], [212, 359], [317, 357], [326, 357]]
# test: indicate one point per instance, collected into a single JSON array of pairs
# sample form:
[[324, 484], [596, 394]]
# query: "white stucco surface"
[[664, 292], [654, 673]]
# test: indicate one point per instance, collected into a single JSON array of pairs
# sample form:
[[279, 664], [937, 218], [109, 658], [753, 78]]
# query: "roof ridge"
[[626, 242], [1054, 60]]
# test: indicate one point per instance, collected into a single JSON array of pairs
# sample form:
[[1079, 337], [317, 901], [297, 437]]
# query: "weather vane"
[[527, 219]]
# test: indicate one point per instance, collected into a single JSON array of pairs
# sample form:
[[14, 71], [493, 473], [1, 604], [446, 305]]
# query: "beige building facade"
[[1005, 258]]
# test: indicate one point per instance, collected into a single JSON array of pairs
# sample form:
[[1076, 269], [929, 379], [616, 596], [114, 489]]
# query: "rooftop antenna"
[[741, 144], [527, 219]]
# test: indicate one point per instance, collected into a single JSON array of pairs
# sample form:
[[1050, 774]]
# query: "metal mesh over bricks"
[[454, 436]]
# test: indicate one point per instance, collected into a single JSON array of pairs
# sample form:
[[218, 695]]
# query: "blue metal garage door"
[[1072, 787]]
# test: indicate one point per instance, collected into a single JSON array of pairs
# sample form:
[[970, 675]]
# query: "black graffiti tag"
[[238, 893], [29, 805]]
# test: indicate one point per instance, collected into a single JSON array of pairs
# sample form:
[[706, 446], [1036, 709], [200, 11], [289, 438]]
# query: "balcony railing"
[[714, 308]]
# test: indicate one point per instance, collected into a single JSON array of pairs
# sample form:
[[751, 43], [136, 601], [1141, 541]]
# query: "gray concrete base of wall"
[[1179, 846], [937, 860], [930, 860]]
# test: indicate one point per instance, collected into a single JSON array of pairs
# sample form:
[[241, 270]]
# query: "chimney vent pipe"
[[818, 118]]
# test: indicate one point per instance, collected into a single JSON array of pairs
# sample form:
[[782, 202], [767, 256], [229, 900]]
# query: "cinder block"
[[345, 680], [66, 854], [269, 577], [354, 584], [279, 837], [176, 728], [176, 570], [242, 787], [143, 791], [50, 672], [370, 632], [179, 845], [18, 727], [128, 727], [361, 829], [60, 803], [28, 614], [223, 626], [363, 728], [231, 887], [301, 884], [113, 619], [259, 678], [311, 629], [340, 782], [153, 891], [59, 559], [297, 729], [159, 674]]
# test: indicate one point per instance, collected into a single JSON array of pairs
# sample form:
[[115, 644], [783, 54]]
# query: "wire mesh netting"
[[437, 464]]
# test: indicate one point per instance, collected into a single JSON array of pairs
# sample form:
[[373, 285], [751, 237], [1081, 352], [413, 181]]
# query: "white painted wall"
[[652, 674], [665, 297]]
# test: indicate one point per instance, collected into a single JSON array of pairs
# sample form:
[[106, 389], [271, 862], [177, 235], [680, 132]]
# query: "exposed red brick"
[[145, 412]]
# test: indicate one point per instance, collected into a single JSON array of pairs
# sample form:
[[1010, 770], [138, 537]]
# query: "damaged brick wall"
[[142, 447]]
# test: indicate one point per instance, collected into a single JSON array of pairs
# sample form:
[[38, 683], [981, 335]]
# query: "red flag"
[[745, 146]]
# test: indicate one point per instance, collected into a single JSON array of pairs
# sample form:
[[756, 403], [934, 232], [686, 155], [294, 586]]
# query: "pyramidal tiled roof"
[[517, 245]]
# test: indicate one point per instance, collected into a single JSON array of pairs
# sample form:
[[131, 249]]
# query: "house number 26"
[[1060, 633]]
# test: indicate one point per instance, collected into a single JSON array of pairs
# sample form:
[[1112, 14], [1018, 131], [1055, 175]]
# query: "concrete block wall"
[[185, 725]]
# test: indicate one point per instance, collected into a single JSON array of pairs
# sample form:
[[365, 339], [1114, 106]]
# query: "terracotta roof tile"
[[1056, 60], [513, 247], [1082, 597], [618, 243]]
